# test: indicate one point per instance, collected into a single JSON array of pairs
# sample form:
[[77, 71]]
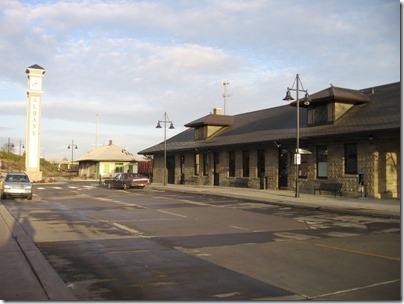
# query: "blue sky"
[[131, 61]]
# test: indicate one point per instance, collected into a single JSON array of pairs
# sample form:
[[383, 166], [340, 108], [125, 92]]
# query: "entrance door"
[[283, 169], [171, 169], [216, 169], [182, 157]]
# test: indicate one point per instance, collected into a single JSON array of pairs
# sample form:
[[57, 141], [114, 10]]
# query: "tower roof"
[[35, 66]]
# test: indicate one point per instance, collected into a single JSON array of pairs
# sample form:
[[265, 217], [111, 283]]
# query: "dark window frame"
[[232, 163], [196, 164], [322, 162], [246, 163], [261, 162], [351, 158], [205, 164]]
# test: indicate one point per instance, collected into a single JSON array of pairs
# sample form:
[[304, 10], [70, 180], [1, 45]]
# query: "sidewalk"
[[25, 274], [325, 202]]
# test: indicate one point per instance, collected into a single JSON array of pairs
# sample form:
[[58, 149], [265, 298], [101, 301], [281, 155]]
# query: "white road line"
[[227, 295], [355, 289], [246, 229], [126, 228], [175, 214]]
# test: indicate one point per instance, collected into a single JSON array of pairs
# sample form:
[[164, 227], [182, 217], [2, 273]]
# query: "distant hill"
[[14, 162]]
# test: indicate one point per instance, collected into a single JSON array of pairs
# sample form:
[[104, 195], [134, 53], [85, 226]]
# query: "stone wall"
[[378, 159]]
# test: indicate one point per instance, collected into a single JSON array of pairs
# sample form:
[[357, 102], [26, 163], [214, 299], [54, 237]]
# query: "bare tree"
[[8, 148]]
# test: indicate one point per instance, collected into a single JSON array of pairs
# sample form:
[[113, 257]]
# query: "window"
[[261, 162], [196, 164], [320, 114], [246, 163], [322, 162], [205, 164], [182, 160], [351, 159], [232, 163], [118, 167], [199, 133]]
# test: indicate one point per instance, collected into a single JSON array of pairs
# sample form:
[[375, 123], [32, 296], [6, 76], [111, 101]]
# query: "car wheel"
[[29, 197], [3, 196], [125, 186], [109, 186]]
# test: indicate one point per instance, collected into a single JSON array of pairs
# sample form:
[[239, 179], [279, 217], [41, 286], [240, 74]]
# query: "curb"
[[281, 202], [53, 286]]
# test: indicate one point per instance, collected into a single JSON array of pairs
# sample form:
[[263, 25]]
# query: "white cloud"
[[131, 61]]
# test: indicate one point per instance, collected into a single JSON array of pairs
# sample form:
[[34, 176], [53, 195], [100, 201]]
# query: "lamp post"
[[165, 120], [19, 154], [306, 102], [72, 146], [9, 145]]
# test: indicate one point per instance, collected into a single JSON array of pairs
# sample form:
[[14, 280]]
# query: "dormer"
[[209, 125], [328, 105]]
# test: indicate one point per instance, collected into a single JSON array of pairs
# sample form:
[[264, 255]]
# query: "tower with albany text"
[[33, 131]]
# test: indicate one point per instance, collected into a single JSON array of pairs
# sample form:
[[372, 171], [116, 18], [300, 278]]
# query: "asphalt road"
[[160, 245]]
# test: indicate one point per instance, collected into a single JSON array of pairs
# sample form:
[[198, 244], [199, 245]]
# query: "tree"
[[8, 147]]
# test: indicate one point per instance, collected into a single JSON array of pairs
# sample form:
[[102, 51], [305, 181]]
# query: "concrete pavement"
[[27, 276], [326, 202]]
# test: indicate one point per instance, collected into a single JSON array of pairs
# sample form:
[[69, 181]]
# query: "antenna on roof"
[[225, 94], [96, 132]]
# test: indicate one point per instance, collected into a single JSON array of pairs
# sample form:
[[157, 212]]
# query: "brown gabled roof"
[[212, 120], [381, 112], [340, 94], [109, 153], [331, 94]]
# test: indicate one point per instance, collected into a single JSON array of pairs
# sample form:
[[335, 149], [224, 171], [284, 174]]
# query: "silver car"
[[16, 185]]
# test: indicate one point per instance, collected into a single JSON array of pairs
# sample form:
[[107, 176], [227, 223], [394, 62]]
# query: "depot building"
[[347, 136]]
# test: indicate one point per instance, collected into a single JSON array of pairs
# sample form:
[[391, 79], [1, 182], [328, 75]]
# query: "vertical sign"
[[33, 133]]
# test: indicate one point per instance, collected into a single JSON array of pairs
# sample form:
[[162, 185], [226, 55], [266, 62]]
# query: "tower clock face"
[[35, 83]]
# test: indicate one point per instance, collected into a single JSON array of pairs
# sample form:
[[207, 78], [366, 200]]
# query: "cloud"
[[131, 61]]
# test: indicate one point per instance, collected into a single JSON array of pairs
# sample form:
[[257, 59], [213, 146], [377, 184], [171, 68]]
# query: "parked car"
[[16, 185], [127, 180]]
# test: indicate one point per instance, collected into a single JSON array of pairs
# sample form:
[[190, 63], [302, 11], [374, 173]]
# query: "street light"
[[165, 120], [72, 146], [19, 154], [306, 102], [9, 144]]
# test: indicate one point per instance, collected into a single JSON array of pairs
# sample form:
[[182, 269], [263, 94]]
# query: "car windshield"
[[134, 175], [17, 178]]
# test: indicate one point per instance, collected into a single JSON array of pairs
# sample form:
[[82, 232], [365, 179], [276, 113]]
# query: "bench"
[[241, 182], [331, 187], [192, 180]]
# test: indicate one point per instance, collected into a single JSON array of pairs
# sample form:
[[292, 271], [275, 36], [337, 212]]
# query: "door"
[[283, 169], [182, 158], [171, 169], [216, 169]]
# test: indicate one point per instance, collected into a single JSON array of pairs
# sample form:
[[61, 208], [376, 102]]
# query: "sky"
[[129, 62]]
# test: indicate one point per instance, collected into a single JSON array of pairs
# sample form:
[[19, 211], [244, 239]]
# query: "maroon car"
[[127, 180]]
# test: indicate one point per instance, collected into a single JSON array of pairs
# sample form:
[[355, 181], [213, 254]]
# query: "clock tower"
[[33, 132]]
